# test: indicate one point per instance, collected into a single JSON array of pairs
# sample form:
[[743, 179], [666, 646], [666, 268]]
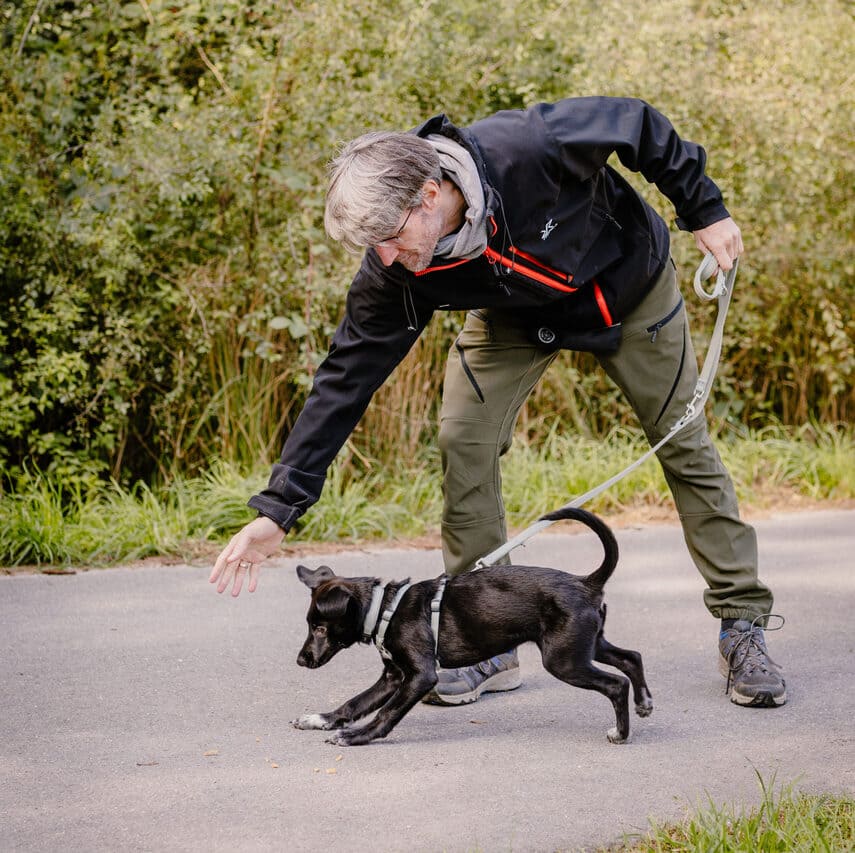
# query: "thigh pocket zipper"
[[468, 371], [653, 330]]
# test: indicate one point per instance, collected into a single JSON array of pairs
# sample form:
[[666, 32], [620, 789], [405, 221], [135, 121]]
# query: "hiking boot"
[[466, 683], [753, 678]]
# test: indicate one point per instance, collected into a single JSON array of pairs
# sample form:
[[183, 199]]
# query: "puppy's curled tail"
[[604, 572]]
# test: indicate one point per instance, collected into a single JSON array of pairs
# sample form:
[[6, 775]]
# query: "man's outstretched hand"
[[246, 551]]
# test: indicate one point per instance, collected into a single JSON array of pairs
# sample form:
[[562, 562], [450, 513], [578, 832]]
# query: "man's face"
[[414, 243]]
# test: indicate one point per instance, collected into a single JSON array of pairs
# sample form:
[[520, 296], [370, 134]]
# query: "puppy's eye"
[[320, 630]]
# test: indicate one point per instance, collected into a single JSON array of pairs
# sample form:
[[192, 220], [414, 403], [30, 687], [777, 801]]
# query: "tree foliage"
[[165, 283]]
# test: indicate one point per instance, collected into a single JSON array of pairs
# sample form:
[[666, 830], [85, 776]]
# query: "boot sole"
[[510, 679]]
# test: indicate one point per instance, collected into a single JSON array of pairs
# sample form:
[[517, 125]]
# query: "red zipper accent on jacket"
[[456, 263], [565, 277], [512, 266], [426, 270], [601, 302]]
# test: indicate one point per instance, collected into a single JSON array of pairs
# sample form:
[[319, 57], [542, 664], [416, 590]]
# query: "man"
[[518, 220]]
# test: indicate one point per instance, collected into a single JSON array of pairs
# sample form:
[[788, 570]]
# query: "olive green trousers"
[[491, 370]]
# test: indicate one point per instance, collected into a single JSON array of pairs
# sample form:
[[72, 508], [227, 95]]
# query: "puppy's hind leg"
[[630, 664], [580, 672]]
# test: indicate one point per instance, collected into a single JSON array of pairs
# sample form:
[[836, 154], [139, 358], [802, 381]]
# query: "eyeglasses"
[[400, 231]]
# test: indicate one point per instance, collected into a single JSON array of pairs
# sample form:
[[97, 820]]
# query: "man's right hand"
[[723, 239], [248, 548]]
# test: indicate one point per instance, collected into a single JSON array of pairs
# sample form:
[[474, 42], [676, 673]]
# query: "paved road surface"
[[142, 711]]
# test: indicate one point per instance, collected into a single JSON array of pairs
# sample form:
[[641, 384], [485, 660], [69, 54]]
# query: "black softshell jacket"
[[572, 249]]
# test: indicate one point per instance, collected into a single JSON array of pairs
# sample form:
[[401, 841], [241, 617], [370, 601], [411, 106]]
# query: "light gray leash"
[[722, 292]]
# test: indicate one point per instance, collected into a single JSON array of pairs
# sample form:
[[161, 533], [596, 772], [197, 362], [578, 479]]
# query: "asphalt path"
[[142, 711]]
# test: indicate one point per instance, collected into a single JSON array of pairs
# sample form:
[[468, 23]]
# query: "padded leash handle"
[[722, 292], [707, 267]]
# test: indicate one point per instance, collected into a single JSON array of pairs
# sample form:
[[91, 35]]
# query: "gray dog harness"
[[373, 619]]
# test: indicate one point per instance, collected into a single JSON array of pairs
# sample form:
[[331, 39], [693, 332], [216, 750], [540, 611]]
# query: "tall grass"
[[785, 821], [44, 521]]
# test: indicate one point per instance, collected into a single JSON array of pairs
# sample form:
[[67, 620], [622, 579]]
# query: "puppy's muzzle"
[[307, 659], [314, 655]]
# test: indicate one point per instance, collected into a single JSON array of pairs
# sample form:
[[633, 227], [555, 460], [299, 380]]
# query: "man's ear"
[[313, 579], [431, 194]]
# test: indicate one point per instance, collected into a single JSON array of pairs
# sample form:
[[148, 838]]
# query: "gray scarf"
[[470, 240]]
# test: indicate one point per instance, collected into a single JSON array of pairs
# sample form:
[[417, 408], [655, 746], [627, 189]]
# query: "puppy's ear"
[[313, 579]]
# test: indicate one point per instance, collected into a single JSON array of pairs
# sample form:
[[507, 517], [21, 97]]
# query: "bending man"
[[518, 220]]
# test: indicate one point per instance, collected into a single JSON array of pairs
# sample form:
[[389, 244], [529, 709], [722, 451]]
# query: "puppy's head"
[[333, 617]]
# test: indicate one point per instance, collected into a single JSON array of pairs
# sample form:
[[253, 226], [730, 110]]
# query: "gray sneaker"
[[753, 678], [467, 683]]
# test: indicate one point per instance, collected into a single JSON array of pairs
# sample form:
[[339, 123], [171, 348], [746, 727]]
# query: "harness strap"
[[373, 611], [435, 604], [388, 613], [722, 292]]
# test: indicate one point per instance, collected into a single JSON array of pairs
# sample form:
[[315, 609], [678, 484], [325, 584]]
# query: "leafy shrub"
[[166, 287]]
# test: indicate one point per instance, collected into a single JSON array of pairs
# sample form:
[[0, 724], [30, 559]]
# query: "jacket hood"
[[441, 126]]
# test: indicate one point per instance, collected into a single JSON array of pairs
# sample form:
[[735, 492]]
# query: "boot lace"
[[748, 651]]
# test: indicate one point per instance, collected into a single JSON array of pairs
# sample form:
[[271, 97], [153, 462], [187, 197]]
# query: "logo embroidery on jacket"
[[548, 229]]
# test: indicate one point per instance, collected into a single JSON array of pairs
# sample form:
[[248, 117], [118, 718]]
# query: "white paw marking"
[[311, 721], [645, 709], [614, 737], [338, 739]]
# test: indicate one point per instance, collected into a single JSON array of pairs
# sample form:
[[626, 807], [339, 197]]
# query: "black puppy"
[[483, 613]]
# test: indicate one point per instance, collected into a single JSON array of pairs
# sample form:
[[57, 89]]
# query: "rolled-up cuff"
[[284, 516], [289, 493]]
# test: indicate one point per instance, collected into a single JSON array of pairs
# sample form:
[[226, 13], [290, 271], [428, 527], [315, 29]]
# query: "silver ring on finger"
[[244, 564]]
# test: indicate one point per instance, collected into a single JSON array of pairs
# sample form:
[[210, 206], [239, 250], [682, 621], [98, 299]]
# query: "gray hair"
[[373, 180]]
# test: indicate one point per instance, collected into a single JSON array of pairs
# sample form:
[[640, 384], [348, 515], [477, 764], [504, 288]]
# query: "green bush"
[[166, 289]]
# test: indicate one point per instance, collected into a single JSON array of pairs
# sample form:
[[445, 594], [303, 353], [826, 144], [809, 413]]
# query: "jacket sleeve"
[[587, 131], [378, 329]]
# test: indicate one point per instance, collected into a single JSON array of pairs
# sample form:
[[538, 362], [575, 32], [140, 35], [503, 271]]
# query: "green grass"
[[785, 821], [46, 522]]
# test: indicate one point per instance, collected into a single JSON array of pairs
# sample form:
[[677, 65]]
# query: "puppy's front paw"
[[340, 738], [644, 708], [349, 737], [312, 721], [614, 736]]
